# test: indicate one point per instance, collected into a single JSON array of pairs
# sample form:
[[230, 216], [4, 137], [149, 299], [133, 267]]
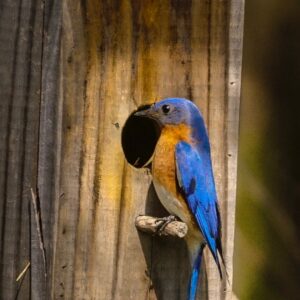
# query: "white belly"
[[171, 204], [194, 237]]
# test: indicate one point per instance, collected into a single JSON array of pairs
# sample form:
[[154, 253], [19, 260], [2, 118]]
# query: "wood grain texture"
[[20, 90], [72, 73], [49, 142]]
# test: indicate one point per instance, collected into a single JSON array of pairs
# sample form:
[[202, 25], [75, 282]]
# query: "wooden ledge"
[[152, 225]]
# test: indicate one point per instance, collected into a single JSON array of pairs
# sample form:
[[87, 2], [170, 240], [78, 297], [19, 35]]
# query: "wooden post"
[[74, 71]]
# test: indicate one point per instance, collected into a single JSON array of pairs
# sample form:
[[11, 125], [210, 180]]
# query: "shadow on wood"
[[166, 257]]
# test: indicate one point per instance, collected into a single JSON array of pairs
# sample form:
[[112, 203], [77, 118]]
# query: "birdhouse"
[[75, 72]]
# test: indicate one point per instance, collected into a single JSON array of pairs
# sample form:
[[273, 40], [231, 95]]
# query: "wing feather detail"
[[195, 178]]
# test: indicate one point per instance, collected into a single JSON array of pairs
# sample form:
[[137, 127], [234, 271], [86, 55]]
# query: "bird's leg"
[[163, 222]]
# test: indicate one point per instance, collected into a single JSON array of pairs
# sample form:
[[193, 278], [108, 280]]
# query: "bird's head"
[[177, 111], [170, 111]]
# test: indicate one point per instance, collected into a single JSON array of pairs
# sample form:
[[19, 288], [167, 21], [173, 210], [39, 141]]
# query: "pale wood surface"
[[71, 73]]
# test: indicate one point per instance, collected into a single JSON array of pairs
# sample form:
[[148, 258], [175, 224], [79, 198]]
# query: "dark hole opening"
[[139, 138]]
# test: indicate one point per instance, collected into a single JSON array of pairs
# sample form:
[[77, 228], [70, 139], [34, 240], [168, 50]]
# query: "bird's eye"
[[166, 109]]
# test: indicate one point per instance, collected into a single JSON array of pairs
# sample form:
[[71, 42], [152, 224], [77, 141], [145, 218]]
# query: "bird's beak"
[[142, 113], [145, 111], [148, 111]]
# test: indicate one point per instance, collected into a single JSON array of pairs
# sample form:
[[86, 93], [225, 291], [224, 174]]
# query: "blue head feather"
[[175, 111]]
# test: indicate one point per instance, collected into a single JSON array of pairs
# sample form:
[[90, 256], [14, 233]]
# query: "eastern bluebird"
[[183, 177]]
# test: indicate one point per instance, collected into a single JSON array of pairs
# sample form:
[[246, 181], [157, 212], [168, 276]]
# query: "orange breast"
[[164, 168], [163, 165]]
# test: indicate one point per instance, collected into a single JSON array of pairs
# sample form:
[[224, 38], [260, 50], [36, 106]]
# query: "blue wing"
[[195, 178]]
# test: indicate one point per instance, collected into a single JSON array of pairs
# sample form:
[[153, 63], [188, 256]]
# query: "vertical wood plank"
[[49, 151], [20, 73], [216, 118], [234, 66], [73, 74]]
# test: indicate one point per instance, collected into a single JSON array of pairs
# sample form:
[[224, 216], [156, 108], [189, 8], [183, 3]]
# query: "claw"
[[163, 223]]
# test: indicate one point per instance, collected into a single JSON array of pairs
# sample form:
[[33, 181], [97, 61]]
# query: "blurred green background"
[[267, 240]]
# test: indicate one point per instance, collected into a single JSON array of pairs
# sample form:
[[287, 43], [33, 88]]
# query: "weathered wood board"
[[71, 73]]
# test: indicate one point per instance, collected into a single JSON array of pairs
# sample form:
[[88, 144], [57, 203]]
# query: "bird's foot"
[[163, 222]]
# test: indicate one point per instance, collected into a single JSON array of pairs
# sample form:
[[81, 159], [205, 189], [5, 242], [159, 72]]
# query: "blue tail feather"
[[195, 277]]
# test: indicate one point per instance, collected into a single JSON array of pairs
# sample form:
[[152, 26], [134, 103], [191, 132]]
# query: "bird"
[[183, 178]]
